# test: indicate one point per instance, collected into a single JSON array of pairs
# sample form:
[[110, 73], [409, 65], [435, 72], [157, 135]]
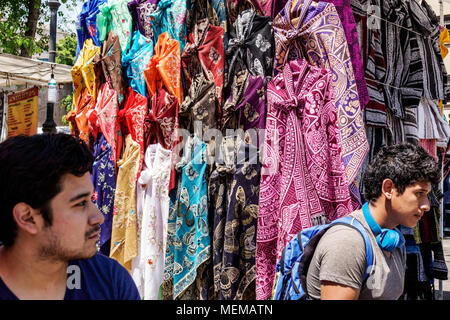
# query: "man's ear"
[[27, 218], [387, 188]]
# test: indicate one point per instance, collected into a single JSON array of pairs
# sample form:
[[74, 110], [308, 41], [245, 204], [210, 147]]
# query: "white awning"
[[16, 70]]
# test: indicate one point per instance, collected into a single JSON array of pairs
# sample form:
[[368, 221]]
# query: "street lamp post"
[[49, 125]]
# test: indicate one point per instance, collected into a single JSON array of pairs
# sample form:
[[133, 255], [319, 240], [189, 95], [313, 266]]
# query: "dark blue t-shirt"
[[97, 278]]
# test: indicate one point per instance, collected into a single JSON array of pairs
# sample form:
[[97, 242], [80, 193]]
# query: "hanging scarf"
[[170, 17], [205, 53], [164, 68], [124, 242], [161, 124], [140, 11], [219, 185], [78, 116], [213, 10], [199, 106], [374, 63], [132, 117], [87, 24], [236, 185], [83, 72], [104, 180], [248, 99], [112, 65], [114, 15], [348, 23], [136, 60], [303, 182], [104, 117], [161, 119], [152, 205], [192, 241], [314, 31], [251, 45]]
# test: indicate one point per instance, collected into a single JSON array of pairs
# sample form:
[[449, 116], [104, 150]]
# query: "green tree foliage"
[[23, 24], [66, 50], [66, 105]]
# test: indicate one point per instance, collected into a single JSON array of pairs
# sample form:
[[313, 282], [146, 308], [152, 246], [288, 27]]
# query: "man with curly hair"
[[397, 183], [49, 225]]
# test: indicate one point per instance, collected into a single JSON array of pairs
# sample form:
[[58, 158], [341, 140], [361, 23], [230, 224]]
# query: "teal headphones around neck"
[[387, 239]]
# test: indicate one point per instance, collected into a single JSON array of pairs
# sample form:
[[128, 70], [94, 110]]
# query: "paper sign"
[[23, 112]]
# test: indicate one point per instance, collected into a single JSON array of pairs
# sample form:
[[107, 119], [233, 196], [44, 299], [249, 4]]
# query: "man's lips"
[[95, 235]]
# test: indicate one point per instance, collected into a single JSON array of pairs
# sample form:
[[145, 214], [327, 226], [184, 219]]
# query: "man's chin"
[[85, 255]]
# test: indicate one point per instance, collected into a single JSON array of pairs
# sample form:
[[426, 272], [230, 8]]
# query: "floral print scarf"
[[140, 11], [205, 53], [136, 60], [164, 68], [170, 16]]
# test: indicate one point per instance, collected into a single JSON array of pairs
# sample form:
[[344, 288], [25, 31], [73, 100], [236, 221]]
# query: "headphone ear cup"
[[389, 240]]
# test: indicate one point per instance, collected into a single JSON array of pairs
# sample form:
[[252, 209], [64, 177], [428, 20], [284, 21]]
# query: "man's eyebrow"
[[81, 195]]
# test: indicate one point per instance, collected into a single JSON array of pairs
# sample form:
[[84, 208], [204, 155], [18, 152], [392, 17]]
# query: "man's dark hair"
[[405, 164], [31, 168]]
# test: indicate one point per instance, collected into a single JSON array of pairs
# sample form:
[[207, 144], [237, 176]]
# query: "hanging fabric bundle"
[[87, 24], [161, 120], [303, 182], [205, 53], [124, 238], [374, 66], [235, 220], [132, 118], [85, 83], [104, 180], [112, 65], [250, 55], [104, 118], [189, 246], [78, 116], [136, 60], [314, 31], [212, 10], [152, 204], [164, 68], [246, 103], [348, 23], [83, 73], [251, 45], [140, 11], [199, 106], [170, 16], [114, 15]]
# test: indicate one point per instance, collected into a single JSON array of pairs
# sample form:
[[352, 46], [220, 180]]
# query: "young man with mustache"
[[49, 226]]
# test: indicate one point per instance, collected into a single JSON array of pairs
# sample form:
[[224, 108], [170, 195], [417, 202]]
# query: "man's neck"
[[30, 277], [379, 211]]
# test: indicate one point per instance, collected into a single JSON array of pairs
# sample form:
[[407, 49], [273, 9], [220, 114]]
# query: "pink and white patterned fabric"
[[312, 30], [303, 181], [105, 117]]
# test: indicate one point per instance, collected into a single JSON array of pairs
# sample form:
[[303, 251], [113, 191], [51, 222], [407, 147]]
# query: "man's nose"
[[96, 216], [425, 205]]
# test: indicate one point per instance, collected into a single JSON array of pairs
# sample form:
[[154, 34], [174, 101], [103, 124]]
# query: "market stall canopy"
[[16, 70]]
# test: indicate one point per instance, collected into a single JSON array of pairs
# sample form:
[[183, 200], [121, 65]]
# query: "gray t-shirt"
[[340, 257]]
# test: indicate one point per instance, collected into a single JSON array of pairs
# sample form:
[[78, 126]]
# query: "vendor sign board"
[[23, 112]]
